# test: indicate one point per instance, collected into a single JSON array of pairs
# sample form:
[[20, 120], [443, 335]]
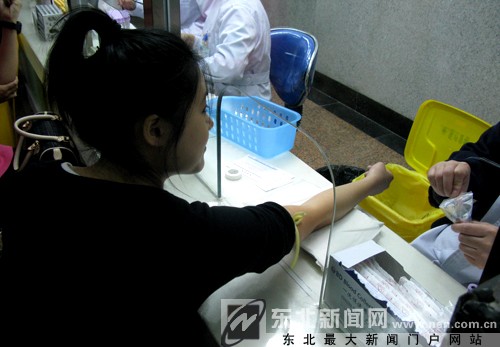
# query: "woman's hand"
[[10, 13], [128, 5], [380, 177], [188, 38], [9, 90]]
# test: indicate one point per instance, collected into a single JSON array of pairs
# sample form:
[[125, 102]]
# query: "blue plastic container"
[[259, 125]]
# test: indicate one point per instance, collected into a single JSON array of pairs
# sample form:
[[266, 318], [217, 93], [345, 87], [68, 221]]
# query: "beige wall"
[[403, 52]]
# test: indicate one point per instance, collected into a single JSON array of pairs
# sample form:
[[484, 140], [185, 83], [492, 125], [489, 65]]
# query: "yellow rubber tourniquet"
[[297, 218]]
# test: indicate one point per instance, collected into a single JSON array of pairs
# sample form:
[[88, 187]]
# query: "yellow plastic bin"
[[437, 131]]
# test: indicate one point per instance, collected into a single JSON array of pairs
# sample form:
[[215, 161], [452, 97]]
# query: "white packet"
[[458, 209]]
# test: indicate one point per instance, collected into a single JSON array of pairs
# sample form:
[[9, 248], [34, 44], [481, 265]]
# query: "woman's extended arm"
[[9, 51], [319, 209]]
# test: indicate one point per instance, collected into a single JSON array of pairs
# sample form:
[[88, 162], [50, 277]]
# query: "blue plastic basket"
[[256, 124]]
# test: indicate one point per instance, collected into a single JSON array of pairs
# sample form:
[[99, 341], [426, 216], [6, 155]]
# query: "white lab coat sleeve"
[[236, 39], [190, 14], [442, 247]]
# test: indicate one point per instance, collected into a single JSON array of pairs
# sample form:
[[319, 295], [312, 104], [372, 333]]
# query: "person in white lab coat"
[[236, 45], [9, 49]]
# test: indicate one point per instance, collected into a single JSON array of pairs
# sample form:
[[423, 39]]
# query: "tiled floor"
[[368, 126], [332, 133]]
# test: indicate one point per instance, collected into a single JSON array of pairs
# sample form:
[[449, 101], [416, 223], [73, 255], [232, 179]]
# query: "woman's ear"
[[155, 130]]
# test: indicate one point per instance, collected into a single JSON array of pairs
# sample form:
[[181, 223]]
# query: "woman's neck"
[[108, 171]]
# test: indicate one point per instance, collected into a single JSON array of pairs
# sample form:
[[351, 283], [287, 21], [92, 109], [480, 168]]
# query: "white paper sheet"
[[265, 176], [355, 228]]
